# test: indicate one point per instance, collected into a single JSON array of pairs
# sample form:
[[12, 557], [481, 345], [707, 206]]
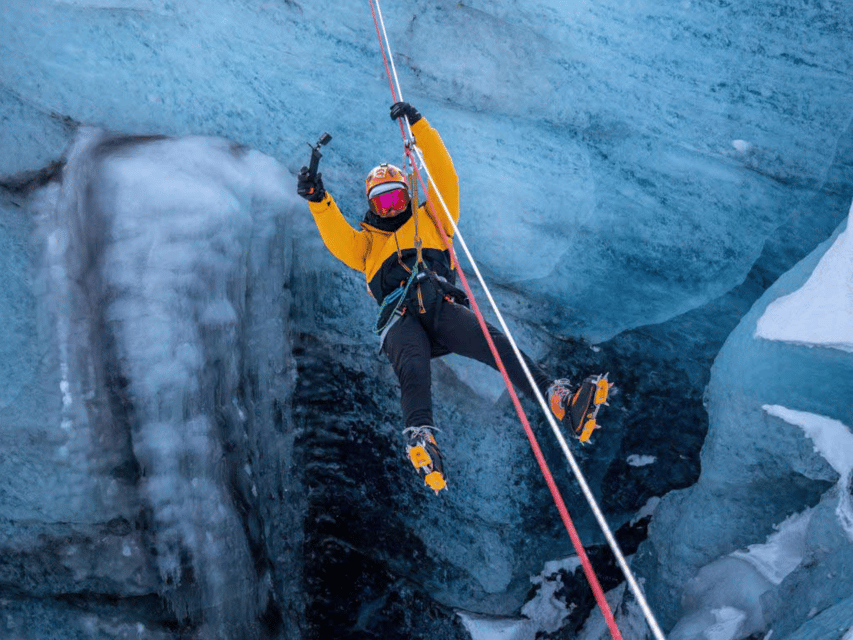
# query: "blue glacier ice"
[[200, 440], [776, 466]]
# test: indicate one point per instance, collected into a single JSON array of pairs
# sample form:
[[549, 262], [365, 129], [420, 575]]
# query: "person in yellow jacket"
[[422, 313]]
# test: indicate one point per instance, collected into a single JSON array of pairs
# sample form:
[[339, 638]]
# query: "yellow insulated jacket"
[[378, 253]]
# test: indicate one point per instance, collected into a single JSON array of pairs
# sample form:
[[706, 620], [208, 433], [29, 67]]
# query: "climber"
[[423, 314]]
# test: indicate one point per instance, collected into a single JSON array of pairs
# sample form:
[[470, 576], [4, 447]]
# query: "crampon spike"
[[601, 389]]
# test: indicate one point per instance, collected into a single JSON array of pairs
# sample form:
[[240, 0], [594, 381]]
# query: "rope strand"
[[561, 507]]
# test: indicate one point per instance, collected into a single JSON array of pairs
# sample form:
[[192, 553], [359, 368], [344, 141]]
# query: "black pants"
[[410, 345]]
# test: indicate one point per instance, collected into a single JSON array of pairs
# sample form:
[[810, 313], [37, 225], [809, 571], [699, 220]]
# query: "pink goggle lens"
[[390, 202]]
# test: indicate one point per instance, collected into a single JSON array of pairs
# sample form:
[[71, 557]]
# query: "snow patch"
[[545, 612], [783, 551], [742, 146], [820, 313], [728, 622], [636, 460], [487, 628], [546, 609], [647, 509]]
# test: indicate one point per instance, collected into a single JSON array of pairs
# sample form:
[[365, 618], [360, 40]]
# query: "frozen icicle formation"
[[173, 255], [152, 242]]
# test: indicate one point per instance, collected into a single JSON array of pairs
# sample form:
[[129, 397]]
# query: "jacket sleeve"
[[346, 244], [440, 167]]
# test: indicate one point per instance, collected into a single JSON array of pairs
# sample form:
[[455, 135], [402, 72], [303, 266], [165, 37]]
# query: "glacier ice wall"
[[779, 451], [640, 170]]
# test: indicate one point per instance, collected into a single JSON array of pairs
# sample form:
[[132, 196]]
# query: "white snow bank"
[[820, 313], [783, 551], [834, 441]]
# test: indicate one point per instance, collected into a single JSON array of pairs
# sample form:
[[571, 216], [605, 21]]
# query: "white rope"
[[396, 81], [599, 516]]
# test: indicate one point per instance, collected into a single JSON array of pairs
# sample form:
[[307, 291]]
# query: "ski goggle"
[[390, 203]]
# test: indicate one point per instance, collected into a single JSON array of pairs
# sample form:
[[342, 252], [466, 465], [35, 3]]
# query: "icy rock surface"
[[776, 468]]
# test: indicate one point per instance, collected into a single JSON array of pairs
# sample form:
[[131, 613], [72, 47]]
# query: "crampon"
[[580, 409], [425, 456]]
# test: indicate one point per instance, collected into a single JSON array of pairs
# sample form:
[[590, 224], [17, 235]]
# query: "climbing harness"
[[412, 150], [397, 296]]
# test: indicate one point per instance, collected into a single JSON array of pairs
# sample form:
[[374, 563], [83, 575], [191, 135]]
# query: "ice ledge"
[[820, 313], [834, 441]]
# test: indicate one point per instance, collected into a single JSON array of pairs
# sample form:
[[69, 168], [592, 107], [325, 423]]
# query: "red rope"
[[537, 451]]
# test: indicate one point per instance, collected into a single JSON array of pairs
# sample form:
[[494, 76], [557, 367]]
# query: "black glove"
[[310, 188], [400, 109]]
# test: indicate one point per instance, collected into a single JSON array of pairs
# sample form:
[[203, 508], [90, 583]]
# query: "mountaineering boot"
[[425, 455], [579, 408]]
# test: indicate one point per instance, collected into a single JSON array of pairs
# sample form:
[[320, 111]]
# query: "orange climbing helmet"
[[386, 191]]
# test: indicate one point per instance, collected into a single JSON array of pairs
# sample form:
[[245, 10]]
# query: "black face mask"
[[388, 224]]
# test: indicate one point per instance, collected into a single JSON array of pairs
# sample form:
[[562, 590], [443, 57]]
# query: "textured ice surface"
[[18, 357], [834, 441], [723, 600]]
